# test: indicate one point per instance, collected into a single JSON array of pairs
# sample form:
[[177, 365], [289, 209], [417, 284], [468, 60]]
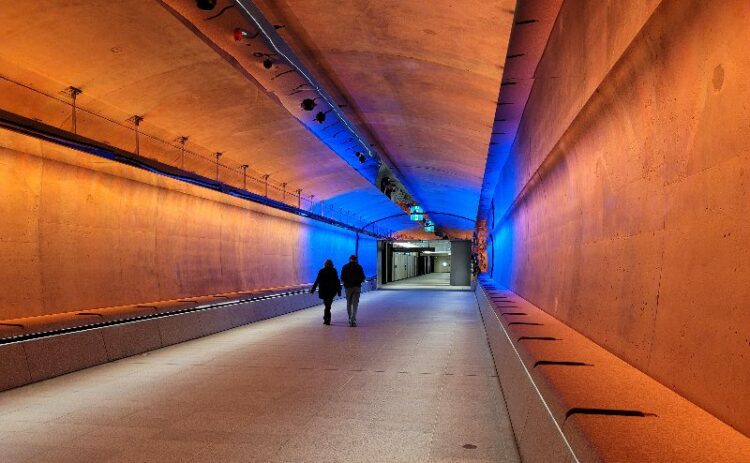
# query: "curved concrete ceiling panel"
[[421, 77], [134, 57]]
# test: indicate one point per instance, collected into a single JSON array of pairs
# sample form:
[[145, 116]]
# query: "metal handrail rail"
[[302, 289], [260, 180], [62, 137]]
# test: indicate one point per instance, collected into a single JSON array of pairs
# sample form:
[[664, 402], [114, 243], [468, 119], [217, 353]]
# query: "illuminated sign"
[[417, 217], [416, 210]]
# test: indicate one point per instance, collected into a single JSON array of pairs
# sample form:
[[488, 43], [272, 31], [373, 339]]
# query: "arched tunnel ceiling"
[[135, 57], [422, 77], [422, 80]]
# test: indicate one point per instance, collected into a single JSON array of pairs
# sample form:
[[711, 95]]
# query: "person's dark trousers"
[[352, 302], [327, 311]]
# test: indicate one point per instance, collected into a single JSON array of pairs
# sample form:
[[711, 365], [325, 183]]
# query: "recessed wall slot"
[[564, 363], [607, 412]]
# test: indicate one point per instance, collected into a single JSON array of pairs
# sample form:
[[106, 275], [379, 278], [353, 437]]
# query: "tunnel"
[[375, 231]]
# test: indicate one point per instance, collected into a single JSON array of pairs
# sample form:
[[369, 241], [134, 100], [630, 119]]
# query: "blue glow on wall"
[[362, 206], [502, 237], [504, 244], [321, 241]]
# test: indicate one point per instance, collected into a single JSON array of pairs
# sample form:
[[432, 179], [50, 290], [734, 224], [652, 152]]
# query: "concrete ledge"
[[539, 438], [242, 314], [571, 400], [10, 329], [14, 369], [131, 339], [118, 313], [178, 328], [214, 321], [51, 352], [57, 355]]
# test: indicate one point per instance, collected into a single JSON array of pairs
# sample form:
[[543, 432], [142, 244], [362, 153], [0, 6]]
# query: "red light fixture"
[[239, 34]]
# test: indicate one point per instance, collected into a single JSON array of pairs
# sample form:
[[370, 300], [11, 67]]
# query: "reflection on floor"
[[430, 281], [413, 383]]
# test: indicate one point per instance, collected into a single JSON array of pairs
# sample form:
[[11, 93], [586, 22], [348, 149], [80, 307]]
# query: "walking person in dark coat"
[[352, 275], [328, 285]]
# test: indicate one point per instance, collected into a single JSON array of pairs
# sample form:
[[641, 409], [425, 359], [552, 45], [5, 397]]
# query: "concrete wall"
[[405, 265], [623, 207], [80, 232], [439, 267]]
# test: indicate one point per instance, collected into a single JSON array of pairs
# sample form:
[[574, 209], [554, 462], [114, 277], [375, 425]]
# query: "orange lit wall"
[[82, 232], [631, 181]]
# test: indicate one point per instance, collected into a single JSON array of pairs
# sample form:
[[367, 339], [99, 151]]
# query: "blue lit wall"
[[321, 241], [502, 237], [362, 206], [501, 254], [148, 238]]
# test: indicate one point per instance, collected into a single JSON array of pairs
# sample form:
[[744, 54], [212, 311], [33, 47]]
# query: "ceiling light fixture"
[[308, 104], [405, 245], [320, 117], [239, 34], [206, 4], [361, 157], [267, 63]]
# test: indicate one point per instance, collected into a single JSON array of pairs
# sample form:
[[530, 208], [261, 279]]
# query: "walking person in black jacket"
[[328, 285], [352, 275]]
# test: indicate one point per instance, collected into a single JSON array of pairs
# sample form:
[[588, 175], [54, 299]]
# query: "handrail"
[[52, 134]]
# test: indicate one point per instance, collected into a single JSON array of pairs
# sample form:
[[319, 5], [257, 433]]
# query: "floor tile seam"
[[66, 444], [444, 382], [121, 417], [313, 416], [284, 443], [441, 394], [40, 422], [450, 349]]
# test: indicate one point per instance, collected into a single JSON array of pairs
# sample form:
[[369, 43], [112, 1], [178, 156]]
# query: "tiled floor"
[[412, 383]]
